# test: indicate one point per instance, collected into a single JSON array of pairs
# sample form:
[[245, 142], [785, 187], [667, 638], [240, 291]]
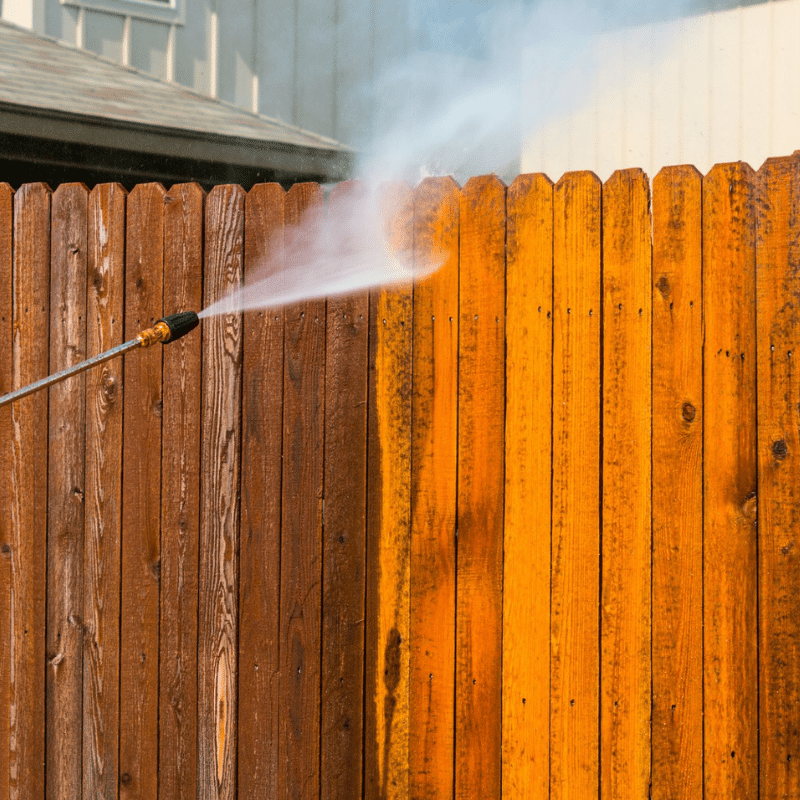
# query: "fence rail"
[[528, 529]]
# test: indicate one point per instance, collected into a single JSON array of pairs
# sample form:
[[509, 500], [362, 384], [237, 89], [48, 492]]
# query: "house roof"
[[53, 91]]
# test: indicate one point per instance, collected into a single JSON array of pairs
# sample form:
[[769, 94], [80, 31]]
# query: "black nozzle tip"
[[180, 324]]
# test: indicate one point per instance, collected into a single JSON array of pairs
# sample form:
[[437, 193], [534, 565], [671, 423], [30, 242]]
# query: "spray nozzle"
[[169, 328]]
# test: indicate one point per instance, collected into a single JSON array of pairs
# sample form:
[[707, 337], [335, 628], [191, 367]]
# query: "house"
[[302, 62], [712, 87], [68, 114]]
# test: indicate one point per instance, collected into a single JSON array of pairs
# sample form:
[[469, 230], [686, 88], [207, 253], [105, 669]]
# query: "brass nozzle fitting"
[[160, 332]]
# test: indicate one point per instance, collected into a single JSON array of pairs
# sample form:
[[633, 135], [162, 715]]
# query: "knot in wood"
[[780, 449], [688, 412], [750, 507]]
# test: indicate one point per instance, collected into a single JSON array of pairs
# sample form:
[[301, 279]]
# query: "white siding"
[[703, 90], [102, 34]]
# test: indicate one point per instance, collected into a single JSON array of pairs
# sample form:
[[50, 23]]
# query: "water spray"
[[167, 329]]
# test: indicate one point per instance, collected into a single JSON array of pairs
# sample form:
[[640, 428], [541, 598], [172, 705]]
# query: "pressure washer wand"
[[167, 329]]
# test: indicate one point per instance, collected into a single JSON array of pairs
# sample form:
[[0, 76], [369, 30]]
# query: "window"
[[169, 11]]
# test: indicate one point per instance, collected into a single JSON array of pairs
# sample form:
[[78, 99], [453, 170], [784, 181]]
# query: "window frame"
[[171, 12]]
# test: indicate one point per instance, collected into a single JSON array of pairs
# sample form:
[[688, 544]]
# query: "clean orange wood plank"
[[730, 483], [180, 499], [218, 580], [141, 499], [301, 536], [389, 520], [677, 737], [344, 545], [260, 540], [6, 494], [526, 571], [433, 493], [481, 411], [778, 254], [65, 495], [103, 503], [625, 690], [28, 480], [575, 568]]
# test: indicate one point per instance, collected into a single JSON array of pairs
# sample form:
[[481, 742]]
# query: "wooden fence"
[[528, 530]]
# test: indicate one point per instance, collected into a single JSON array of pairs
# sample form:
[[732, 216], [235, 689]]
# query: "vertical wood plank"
[[625, 689], [260, 540], [28, 480], [389, 520], [301, 536], [730, 567], [481, 412], [218, 582], [433, 493], [103, 505], [180, 499], [526, 570], [65, 493], [575, 568], [778, 284], [344, 520], [6, 494], [141, 499], [677, 739]]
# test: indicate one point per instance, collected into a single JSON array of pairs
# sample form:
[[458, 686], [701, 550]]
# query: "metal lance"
[[167, 329]]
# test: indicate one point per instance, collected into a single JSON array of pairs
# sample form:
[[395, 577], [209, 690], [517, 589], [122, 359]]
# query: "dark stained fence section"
[[525, 529]]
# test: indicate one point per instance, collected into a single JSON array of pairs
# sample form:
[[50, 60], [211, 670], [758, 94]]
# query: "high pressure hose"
[[167, 329]]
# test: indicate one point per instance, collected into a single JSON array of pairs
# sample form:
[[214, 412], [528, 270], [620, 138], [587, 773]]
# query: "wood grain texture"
[[389, 520], [65, 493], [481, 453], [528, 449], [218, 580], [260, 539], [575, 567], [103, 494], [778, 287], [344, 521], [730, 483], [28, 480], [180, 499], [6, 461], [625, 688], [677, 735], [433, 493], [141, 499], [301, 536]]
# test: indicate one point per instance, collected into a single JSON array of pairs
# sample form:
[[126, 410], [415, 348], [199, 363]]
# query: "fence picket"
[[344, 544], [260, 541], [180, 499], [103, 505], [528, 449], [433, 493], [218, 584], [388, 523], [65, 495], [301, 534], [677, 738], [481, 412], [729, 446], [575, 560], [778, 254], [28, 479], [625, 692], [6, 490], [141, 500]]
